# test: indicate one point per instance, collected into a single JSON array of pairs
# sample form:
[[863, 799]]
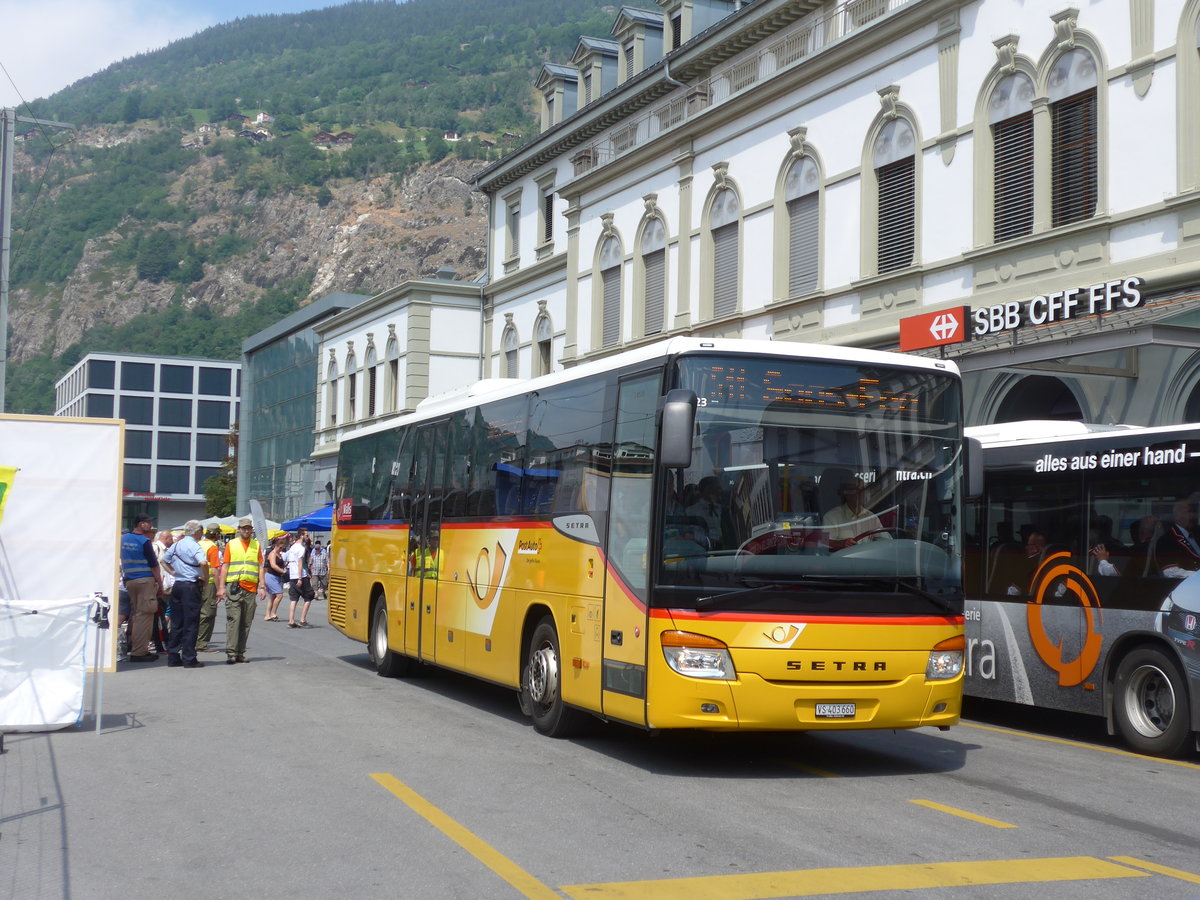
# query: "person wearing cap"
[[187, 558], [143, 581], [239, 584]]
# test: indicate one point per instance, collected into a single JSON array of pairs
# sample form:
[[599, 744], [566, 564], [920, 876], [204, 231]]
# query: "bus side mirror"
[[678, 423], [973, 450]]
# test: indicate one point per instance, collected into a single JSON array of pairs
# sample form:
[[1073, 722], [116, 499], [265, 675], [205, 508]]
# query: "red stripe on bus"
[[864, 619]]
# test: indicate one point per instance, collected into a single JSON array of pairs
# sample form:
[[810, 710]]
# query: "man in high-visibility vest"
[[240, 584]]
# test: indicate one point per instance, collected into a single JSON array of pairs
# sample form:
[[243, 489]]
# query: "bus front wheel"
[[387, 663], [1150, 703], [541, 685]]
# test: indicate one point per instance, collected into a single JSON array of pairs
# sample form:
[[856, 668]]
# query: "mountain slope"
[[150, 223]]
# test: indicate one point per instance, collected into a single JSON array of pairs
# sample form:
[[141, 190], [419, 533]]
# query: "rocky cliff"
[[365, 237]]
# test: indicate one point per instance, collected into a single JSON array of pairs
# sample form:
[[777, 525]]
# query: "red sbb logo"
[[934, 329]]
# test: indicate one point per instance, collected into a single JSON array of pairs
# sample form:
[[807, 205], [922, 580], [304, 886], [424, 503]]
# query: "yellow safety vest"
[[243, 563]]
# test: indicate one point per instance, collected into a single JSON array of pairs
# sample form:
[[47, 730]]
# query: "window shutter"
[[548, 217], [511, 364], [803, 244], [725, 270], [897, 214], [611, 335], [1074, 195], [1012, 183], [628, 61], [656, 289]]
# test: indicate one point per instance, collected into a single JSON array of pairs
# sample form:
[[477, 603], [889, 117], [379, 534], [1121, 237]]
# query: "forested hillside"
[[164, 213]]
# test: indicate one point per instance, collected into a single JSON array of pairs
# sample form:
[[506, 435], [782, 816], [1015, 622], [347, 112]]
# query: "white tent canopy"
[[226, 522]]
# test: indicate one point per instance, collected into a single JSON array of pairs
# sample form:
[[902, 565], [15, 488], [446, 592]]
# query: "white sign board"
[[59, 544]]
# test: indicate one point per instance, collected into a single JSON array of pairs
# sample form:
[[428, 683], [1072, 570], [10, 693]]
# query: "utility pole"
[[8, 133]]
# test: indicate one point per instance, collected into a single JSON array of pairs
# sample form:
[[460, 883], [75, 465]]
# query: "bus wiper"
[[715, 599], [940, 602]]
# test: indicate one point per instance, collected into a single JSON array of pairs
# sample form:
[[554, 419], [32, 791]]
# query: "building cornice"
[[732, 35]]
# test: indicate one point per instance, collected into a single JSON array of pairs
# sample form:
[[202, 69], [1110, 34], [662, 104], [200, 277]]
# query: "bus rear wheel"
[[1151, 705], [541, 685], [388, 663]]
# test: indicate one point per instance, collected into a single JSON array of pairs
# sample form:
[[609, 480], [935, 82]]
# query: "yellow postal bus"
[[711, 534]]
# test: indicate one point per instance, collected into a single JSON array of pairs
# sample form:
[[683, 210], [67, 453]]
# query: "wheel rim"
[[543, 675], [1150, 701], [379, 644]]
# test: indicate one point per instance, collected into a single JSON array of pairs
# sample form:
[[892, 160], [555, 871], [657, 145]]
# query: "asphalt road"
[[303, 774]]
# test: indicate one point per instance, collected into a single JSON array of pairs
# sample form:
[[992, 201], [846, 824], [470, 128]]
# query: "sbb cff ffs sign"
[[949, 326]]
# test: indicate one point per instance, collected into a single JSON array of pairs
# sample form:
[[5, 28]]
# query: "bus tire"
[[541, 685], [1150, 703], [388, 663]]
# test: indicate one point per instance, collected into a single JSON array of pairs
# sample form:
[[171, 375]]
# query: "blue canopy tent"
[[317, 520]]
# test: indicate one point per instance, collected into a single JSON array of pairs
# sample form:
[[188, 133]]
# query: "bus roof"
[[1033, 431], [490, 389]]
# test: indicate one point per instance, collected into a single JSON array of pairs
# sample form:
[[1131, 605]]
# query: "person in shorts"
[[275, 576], [299, 583]]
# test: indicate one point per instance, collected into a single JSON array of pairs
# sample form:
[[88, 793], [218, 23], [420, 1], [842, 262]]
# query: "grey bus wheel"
[[541, 685], [387, 663], [1151, 703]]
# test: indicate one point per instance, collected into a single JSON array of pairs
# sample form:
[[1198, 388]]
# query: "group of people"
[[188, 577], [1168, 548]]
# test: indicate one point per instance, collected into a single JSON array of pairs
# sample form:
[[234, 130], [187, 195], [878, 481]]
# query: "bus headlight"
[[697, 656], [946, 659]]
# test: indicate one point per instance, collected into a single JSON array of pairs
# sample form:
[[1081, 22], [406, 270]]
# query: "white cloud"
[[53, 43]]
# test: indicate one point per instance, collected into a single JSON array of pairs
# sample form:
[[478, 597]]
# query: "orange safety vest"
[[243, 563]]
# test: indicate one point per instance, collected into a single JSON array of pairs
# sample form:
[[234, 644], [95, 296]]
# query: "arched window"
[[543, 338], [1010, 116], [724, 220], [802, 196], [391, 386], [372, 385], [350, 407], [1072, 95], [610, 278], [894, 161], [510, 346], [654, 273], [331, 395]]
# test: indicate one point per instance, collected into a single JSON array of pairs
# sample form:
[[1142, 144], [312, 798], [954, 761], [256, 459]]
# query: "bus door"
[[424, 545], [625, 595]]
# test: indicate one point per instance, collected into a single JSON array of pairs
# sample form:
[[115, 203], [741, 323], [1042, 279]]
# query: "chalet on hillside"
[[238, 119], [264, 118]]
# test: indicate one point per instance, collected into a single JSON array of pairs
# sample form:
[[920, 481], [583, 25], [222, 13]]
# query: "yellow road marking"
[[525, 883], [1157, 869], [1066, 743], [995, 823], [814, 882]]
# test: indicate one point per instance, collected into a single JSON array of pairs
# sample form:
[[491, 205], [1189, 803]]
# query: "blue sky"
[[49, 44]]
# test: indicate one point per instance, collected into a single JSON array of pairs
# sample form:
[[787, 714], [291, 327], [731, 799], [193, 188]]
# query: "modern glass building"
[[178, 413], [279, 393]]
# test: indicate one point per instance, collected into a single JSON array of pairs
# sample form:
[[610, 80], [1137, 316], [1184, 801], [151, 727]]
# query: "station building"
[[1012, 185]]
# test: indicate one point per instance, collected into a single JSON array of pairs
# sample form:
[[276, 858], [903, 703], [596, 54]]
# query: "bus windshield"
[[815, 486]]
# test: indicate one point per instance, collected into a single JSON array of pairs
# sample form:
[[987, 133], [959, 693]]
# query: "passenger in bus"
[[1178, 551], [1024, 570], [852, 522]]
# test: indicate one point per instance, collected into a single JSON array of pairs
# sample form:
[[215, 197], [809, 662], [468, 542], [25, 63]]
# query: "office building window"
[[175, 413], [212, 414], [137, 376], [101, 373], [214, 382], [137, 410], [174, 480], [175, 379], [174, 445]]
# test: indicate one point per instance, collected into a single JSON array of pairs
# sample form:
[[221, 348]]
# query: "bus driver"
[[852, 521]]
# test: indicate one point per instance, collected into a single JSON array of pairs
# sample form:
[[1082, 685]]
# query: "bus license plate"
[[835, 710]]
